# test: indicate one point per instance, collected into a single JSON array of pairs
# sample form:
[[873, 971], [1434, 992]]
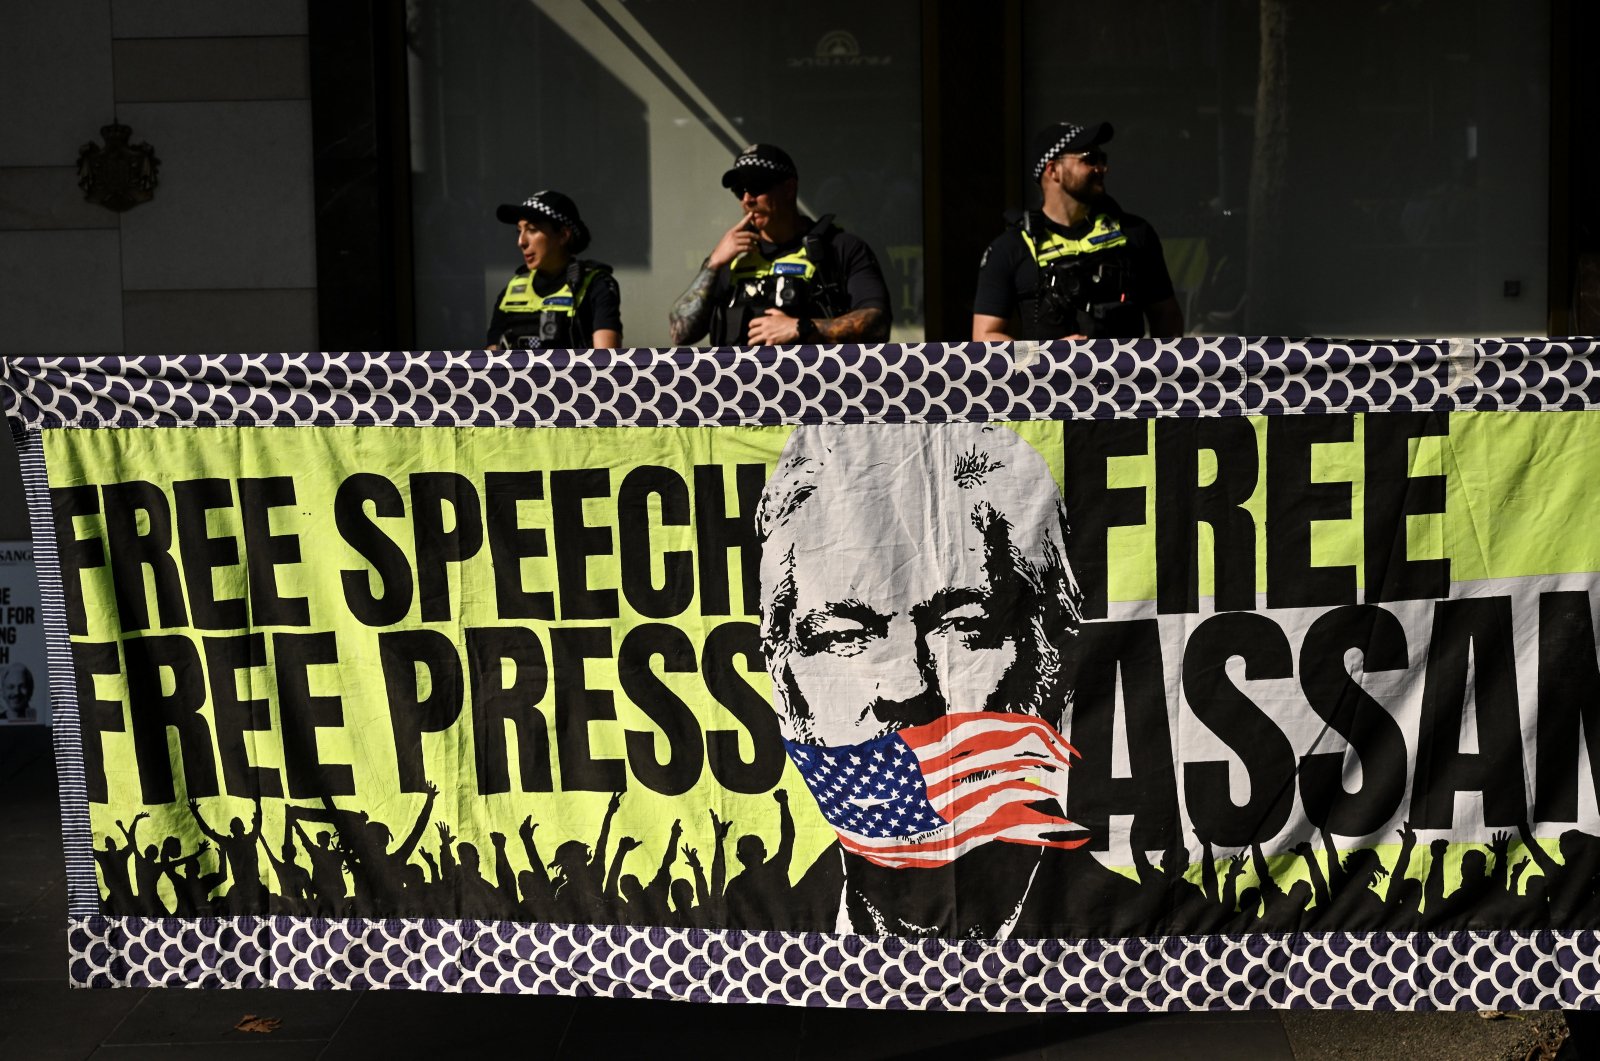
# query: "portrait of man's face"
[[887, 633], [918, 613], [912, 571], [16, 690]]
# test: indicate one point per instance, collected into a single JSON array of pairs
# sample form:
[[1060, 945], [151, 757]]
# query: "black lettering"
[[1569, 701], [412, 714], [132, 552], [202, 553], [153, 711], [641, 685], [717, 534], [302, 715], [577, 706], [76, 554], [1294, 502], [760, 773], [496, 701], [576, 541], [1392, 494], [1350, 711], [1132, 650], [633, 542], [389, 561], [226, 657], [1182, 504], [1093, 507], [96, 715], [1470, 634], [438, 548], [510, 543], [265, 552], [1224, 709]]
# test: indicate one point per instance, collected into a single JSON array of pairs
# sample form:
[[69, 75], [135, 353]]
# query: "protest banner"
[[1102, 676]]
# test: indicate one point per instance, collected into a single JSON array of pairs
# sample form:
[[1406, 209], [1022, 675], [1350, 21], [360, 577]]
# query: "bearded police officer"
[[777, 276], [556, 300], [1079, 268]]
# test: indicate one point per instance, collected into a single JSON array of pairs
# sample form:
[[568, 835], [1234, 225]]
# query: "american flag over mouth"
[[926, 795]]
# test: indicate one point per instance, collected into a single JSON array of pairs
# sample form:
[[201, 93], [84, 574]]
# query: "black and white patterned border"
[[927, 382], [83, 891], [1447, 971], [787, 385]]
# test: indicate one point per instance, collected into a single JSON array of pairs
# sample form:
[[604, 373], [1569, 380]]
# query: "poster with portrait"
[[24, 690], [1171, 675]]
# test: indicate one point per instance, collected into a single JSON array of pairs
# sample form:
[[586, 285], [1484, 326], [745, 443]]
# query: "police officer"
[[777, 276], [556, 300], [1079, 268]]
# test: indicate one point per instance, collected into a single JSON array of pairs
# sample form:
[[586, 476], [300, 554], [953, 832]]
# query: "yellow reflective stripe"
[[751, 266], [520, 297], [515, 295], [1104, 235]]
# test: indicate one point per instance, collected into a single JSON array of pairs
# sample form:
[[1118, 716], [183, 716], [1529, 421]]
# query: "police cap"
[[547, 207], [760, 164], [1064, 138]]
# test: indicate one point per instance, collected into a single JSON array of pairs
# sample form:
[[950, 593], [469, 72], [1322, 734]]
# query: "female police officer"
[[555, 301]]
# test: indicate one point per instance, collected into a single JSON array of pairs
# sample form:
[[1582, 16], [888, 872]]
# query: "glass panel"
[[635, 110], [1407, 195]]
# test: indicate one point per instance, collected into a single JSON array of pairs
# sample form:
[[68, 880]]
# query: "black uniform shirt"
[[1008, 275]]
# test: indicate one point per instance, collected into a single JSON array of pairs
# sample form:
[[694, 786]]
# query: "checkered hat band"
[[559, 218], [744, 161], [1071, 133]]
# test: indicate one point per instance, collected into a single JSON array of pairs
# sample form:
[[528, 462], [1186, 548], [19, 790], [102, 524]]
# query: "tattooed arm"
[[776, 328], [690, 319], [855, 326]]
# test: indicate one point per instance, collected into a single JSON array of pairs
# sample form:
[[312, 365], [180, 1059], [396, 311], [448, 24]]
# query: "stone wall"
[[223, 259]]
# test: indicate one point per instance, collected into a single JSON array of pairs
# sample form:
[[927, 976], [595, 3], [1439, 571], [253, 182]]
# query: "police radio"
[[546, 331], [1089, 295]]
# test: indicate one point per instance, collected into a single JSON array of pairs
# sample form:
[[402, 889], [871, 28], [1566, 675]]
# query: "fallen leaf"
[[252, 1023]]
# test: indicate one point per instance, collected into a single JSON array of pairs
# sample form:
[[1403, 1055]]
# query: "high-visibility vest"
[[799, 283], [1083, 282], [1103, 235], [546, 321]]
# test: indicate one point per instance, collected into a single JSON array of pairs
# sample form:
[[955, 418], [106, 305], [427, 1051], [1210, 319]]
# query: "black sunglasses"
[[754, 187], [1093, 157]]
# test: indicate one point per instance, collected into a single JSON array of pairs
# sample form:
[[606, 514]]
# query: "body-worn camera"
[[775, 291]]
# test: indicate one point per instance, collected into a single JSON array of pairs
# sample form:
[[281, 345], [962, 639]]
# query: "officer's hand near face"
[[774, 328], [740, 239]]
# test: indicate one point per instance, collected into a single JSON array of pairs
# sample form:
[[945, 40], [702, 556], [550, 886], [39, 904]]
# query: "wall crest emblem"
[[118, 175]]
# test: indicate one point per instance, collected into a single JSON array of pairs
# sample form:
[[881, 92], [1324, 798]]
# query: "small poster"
[[24, 692]]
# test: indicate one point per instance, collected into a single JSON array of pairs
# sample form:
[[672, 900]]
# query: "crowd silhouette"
[[331, 862]]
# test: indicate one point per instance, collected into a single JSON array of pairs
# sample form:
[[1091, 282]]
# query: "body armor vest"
[[1084, 283], [798, 284], [547, 322]]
